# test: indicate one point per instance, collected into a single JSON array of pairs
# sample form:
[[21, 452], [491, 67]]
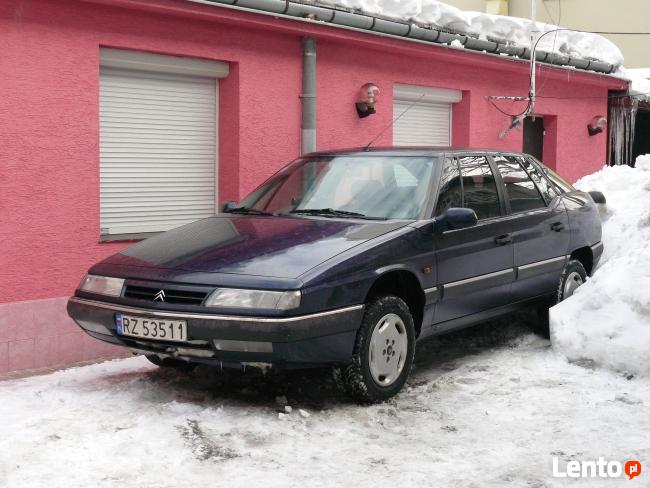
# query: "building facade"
[[123, 118]]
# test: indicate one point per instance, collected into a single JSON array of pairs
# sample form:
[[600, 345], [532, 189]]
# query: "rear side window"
[[520, 189], [479, 187], [548, 191], [450, 194], [562, 185]]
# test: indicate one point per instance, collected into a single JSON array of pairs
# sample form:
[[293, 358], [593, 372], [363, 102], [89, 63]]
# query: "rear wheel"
[[383, 352], [573, 276], [171, 363]]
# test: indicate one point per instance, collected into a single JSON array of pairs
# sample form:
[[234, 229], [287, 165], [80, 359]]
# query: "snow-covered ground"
[[484, 408], [607, 321], [488, 407]]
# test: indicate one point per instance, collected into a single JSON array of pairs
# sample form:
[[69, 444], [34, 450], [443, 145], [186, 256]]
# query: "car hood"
[[282, 247]]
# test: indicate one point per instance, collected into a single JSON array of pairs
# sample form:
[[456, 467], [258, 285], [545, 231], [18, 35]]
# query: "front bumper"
[[319, 338]]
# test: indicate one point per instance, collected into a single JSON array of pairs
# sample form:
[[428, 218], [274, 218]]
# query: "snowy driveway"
[[489, 407]]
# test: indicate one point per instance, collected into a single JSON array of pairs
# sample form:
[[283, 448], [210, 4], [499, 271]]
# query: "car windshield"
[[380, 187]]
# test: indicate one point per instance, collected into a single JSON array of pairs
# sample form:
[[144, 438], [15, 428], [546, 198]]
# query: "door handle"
[[504, 239], [557, 226]]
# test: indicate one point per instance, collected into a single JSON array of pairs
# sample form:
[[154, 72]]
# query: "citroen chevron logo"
[[160, 296]]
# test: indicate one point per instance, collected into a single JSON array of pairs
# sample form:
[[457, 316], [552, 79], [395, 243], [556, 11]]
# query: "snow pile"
[[607, 321], [487, 26]]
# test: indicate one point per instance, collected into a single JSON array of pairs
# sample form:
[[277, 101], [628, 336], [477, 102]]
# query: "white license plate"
[[149, 328]]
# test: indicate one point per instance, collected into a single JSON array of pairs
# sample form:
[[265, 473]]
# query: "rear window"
[[560, 183], [547, 189]]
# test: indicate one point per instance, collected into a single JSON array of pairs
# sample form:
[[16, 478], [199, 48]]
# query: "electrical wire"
[[559, 21], [534, 50], [509, 114], [609, 97], [612, 33]]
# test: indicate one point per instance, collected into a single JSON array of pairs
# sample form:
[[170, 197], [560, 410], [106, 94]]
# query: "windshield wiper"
[[246, 211], [330, 212]]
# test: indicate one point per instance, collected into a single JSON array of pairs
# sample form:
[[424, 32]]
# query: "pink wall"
[[49, 139]]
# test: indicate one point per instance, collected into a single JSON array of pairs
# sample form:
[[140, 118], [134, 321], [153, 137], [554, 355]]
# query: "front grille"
[[184, 297]]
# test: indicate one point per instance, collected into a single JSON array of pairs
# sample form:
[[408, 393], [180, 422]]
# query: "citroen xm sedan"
[[346, 259]]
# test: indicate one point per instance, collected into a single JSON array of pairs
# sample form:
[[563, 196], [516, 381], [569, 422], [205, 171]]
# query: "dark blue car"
[[347, 258]]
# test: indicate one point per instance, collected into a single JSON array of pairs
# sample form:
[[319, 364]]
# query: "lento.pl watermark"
[[595, 469]]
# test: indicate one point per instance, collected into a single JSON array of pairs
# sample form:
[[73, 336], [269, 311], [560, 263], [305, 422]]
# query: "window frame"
[[150, 63], [435, 191], [504, 209]]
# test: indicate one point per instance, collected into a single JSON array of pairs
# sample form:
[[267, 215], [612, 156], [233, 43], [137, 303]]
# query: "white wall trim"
[[160, 63], [414, 93]]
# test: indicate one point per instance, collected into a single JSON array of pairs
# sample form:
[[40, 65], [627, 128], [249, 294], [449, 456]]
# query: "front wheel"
[[573, 276], [383, 351]]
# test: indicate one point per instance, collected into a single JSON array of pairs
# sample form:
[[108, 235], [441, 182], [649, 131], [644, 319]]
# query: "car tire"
[[383, 352], [171, 363], [573, 275]]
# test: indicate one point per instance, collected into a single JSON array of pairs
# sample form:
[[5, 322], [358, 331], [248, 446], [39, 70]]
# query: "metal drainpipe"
[[308, 95]]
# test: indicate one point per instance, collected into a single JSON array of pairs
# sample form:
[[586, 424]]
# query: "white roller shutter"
[[424, 115], [158, 142]]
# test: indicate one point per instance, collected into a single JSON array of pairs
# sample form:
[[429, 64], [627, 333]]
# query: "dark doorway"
[[641, 134], [534, 137]]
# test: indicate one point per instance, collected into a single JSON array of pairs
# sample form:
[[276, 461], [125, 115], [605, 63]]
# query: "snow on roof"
[[639, 72], [639, 81], [501, 28]]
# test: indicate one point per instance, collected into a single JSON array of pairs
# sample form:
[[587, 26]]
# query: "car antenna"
[[367, 148]]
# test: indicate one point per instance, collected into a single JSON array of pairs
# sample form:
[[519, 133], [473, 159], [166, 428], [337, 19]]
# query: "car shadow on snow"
[[315, 388]]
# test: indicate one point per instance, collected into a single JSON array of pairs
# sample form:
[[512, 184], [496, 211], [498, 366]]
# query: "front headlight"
[[102, 285], [238, 298]]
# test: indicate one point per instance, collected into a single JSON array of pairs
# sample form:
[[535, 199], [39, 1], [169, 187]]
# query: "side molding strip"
[[431, 295], [497, 274], [460, 288], [539, 267]]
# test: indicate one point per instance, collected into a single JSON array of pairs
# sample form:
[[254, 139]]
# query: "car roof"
[[424, 151]]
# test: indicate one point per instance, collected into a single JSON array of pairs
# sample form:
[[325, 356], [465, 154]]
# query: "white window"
[[424, 115], [158, 141]]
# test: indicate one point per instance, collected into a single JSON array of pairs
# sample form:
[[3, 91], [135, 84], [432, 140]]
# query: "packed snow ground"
[[487, 407], [607, 321]]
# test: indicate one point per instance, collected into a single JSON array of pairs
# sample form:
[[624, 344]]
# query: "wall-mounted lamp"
[[597, 125], [366, 99]]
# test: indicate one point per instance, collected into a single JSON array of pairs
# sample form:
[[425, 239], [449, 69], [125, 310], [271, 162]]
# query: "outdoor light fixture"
[[366, 99], [597, 125]]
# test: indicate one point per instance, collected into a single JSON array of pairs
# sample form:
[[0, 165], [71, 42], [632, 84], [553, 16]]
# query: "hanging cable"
[[559, 21]]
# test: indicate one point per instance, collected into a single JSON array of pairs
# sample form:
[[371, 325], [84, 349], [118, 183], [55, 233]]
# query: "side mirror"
[[228, 205], [455, 218], [598, 197]]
